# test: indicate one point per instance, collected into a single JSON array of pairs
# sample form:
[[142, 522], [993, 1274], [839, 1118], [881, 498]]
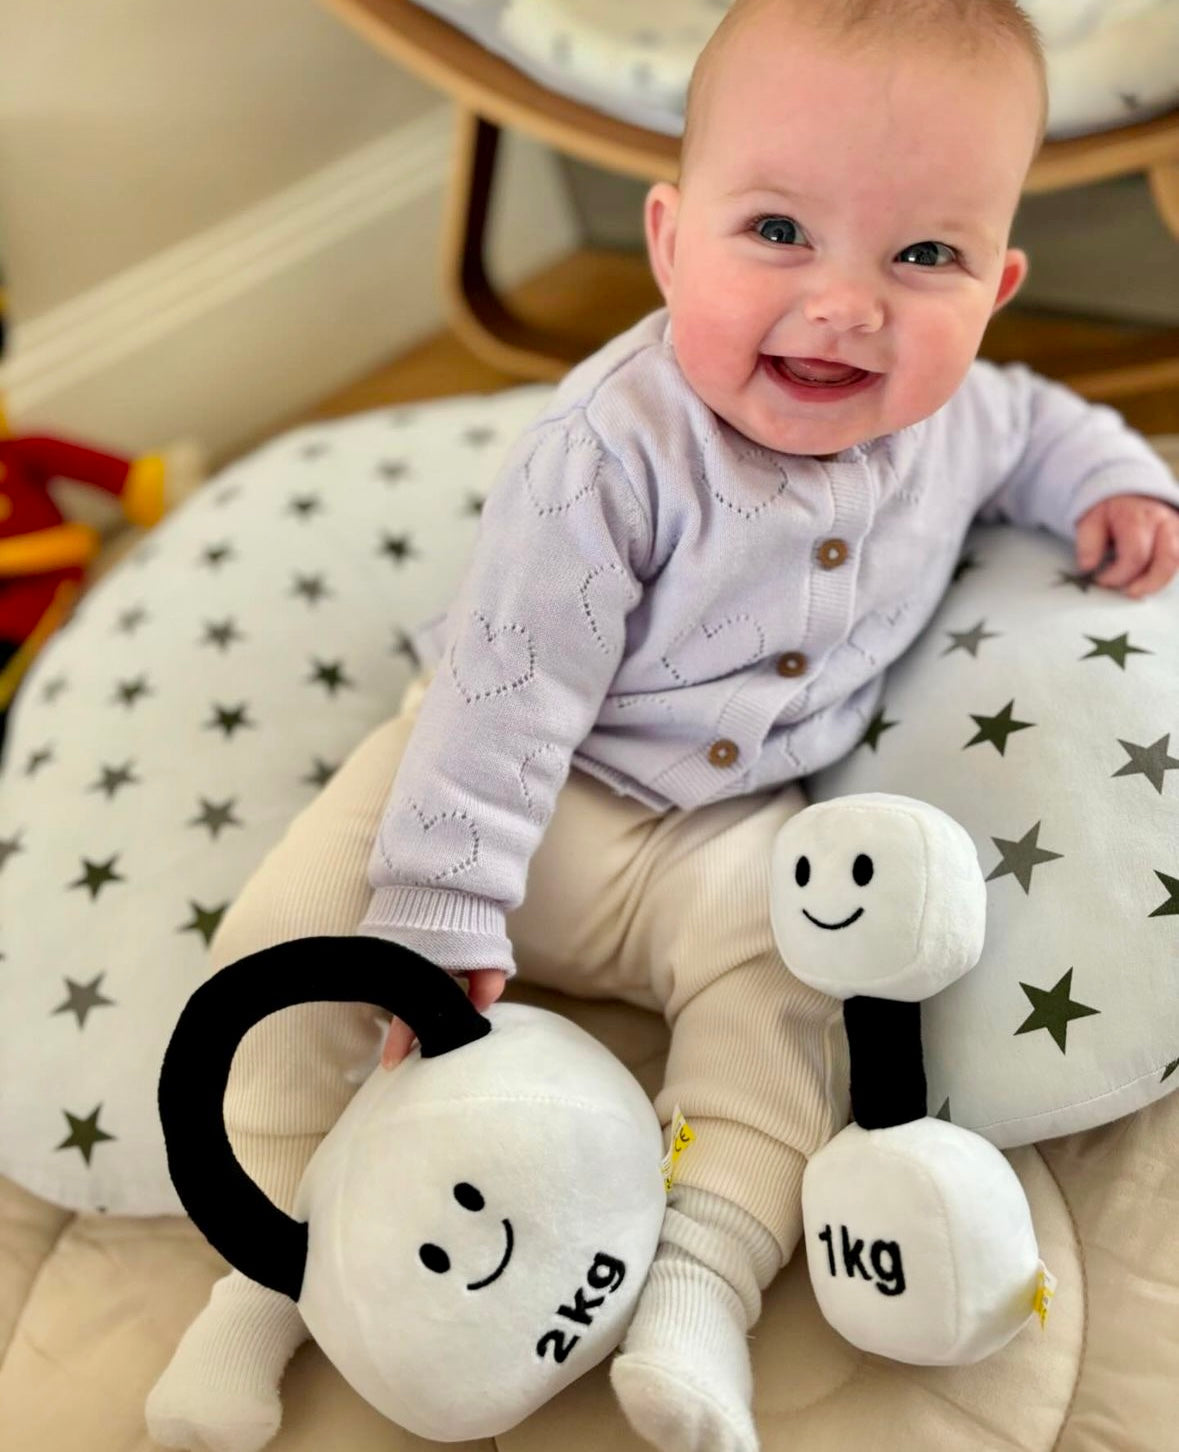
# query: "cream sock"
[[219, 1393], [683, 1377]]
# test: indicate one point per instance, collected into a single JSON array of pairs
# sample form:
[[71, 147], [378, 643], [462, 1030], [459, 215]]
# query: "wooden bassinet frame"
[[491, 95]]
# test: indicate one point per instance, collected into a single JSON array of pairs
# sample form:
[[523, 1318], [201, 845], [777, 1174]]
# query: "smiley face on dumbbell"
[[862, 872], [877, 895]]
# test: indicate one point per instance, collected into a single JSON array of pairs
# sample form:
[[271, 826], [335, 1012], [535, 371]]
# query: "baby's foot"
[[683, 1377], [219, 1393]]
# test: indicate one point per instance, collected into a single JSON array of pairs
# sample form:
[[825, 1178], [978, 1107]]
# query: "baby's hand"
[[484, 986], [1144, 535]]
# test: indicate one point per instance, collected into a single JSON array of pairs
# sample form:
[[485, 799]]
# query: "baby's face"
[[845, 207]]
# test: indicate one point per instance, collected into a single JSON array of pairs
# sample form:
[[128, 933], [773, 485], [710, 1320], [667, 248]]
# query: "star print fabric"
[[204, 692], [1043, 713]]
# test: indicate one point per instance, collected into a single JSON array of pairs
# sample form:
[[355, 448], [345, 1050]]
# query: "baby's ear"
[[1015, 270], [660, 217]]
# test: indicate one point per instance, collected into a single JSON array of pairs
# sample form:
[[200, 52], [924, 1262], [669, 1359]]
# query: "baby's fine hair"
[[965, 26]]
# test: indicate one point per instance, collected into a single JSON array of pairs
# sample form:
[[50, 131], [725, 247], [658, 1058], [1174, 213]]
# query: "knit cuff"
[[458, 931]]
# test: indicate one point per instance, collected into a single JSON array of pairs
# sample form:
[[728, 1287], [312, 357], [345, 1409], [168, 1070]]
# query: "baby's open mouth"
[[817, 372]]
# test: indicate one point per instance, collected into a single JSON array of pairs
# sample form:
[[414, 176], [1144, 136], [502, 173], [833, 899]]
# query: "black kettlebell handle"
[[225, 1204], [887, 1063]]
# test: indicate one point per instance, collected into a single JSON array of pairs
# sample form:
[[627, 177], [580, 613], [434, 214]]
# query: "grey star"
[[876, 729], [215, 555], [37, 759], [1082, 579], [996, 729], [305, 505], [970, 640], [944, 1112], [52, 689], [1169, 908], [403, 645], [1022, 857], [1152, 761], [221, 633], [314, 450], [1117, 648], [215, 815], [128, 692], [9, 847], [204, 920], [82, 997], [230, 719], [320, 774], [311, 587], [114, 777], [398, 547], [965, 564], [330, 675], [474, 504], [84, 1133], [1130, 100], [1169, 1070], [96, 875], [130, 620], [393, 470], [478, 436]]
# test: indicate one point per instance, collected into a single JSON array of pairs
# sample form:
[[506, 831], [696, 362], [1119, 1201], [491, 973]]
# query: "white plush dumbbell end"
[[877, 895], [919, 1242]]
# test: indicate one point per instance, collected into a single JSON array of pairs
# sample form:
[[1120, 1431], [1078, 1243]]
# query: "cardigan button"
[[793, 663], [832, 553], [723, 752]]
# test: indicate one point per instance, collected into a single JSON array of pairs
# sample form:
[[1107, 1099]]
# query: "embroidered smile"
[[499, 1270], [831, 927]]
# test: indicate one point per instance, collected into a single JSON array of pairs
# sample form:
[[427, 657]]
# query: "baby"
[[691, 575]]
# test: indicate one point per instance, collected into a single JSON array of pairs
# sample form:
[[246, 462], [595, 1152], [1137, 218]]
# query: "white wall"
[[214, 212], [129, 125]]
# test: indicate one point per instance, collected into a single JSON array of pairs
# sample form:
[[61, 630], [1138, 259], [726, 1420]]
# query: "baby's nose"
[[844, 303]]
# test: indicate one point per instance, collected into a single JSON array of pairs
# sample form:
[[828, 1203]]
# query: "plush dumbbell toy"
[[475, 1229], [919, 1239]]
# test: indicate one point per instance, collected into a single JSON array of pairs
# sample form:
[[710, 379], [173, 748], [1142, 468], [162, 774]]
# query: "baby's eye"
[[926, 254], [779, 230]]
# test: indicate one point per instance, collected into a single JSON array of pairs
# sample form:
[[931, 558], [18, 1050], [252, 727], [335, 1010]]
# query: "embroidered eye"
[[862, 870], [802, 871], [434, 1258], [925, 254], [779, 230], [468, 1197]]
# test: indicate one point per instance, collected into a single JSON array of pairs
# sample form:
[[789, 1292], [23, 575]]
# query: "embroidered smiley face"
[[437, 1259], [876, 894], [862, 872]]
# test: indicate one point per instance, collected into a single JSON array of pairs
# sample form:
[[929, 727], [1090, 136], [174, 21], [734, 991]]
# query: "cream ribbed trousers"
[[667, 911]]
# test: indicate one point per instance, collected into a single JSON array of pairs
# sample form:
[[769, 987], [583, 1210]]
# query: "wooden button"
[[793, 663], [832, 553], [723, 752]]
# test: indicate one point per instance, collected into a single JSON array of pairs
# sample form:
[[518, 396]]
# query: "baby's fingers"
[[398, 1042], [1163, 562]]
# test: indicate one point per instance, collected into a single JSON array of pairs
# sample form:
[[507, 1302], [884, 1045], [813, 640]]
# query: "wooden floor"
[[596, 294]]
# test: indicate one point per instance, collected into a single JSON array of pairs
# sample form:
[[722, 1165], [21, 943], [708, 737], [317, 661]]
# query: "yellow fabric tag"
[[682, 1135], [1045, 1290]]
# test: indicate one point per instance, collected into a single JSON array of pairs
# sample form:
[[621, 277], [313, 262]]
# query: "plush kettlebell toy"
[[475, 1229], [919, 1239]]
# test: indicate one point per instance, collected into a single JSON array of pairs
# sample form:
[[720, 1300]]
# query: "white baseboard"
[[236, 329]]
